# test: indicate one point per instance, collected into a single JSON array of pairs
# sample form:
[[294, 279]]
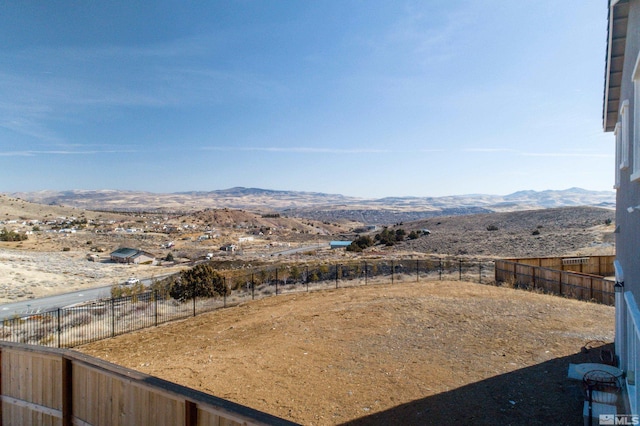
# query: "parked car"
[[132, 281]]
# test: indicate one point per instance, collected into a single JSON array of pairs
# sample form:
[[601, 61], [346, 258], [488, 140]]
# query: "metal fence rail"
[[73, 326]]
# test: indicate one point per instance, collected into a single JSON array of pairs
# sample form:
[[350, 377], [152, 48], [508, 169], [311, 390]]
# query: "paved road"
[[34, 306]]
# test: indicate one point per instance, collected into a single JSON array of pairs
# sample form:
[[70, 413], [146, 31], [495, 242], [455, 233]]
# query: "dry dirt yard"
[[414, 353]]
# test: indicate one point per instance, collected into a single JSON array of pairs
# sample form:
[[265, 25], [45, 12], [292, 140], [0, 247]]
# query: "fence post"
[[460, 270], [366, 273], [417, 270], [155, 303], [113, 317], [336, 275], [307, 277], [276, 280], [560, 286], [440, 269], [59, 329], [591, 288], [253, 288], [533, 277], [193, 295], [480, 272], [67, 391], [190, 413]]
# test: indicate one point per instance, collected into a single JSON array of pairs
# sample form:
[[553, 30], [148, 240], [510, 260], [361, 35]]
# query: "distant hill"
[[320, 206], [17, 208], [543, 232]]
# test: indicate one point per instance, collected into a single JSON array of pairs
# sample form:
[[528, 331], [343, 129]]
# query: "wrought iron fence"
[[101, 319]]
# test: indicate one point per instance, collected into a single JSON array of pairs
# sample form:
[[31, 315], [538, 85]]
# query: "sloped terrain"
[[535, 233], [17, 208]]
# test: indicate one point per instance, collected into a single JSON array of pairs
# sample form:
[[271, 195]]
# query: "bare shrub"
[[267, 291], [77, 319]]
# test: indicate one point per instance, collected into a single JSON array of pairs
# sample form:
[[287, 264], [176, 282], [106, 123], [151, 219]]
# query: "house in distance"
[[129, 255]]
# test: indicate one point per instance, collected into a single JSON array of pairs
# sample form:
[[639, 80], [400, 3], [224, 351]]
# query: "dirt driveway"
[[420, 353]]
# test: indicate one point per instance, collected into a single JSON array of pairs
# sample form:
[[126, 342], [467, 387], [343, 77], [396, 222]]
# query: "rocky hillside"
[[536, 233]]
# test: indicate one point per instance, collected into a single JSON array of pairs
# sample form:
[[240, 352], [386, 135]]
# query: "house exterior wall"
[[120, 259], [628, 222], [143, 258], [628, 193]]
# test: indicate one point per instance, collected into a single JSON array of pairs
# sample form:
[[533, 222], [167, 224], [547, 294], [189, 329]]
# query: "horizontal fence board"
[[13, 414], [31, 407]]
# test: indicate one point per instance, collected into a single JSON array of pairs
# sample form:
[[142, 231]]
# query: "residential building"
[[129, 255], [339, 244], [621, 115]]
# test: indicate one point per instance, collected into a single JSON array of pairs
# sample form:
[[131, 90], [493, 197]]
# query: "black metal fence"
[[73, 326]]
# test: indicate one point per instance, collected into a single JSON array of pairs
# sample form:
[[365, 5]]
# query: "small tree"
[[199, 281], [283, 274], [360, 243], [295, 273], [323, 270]]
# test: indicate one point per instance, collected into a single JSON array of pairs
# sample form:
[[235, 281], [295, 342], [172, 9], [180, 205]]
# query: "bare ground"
[[421, 353], [31, 274]]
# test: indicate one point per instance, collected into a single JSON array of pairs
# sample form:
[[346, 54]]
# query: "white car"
[[132, 281]]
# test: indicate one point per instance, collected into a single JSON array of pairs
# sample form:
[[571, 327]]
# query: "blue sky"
[[363, 98]]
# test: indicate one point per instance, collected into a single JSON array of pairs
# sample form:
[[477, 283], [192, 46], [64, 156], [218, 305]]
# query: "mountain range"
[[318, 205]]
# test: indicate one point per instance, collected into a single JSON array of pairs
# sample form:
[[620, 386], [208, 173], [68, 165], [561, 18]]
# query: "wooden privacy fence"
[[574, 285], [49, 386], [594, 265]]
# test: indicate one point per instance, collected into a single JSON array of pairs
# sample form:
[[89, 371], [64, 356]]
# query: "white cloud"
[[301, 150], [33, 153], [489, 150], [567, 154]]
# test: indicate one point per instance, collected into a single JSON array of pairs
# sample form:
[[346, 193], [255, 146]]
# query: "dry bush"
[[77, 319]]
